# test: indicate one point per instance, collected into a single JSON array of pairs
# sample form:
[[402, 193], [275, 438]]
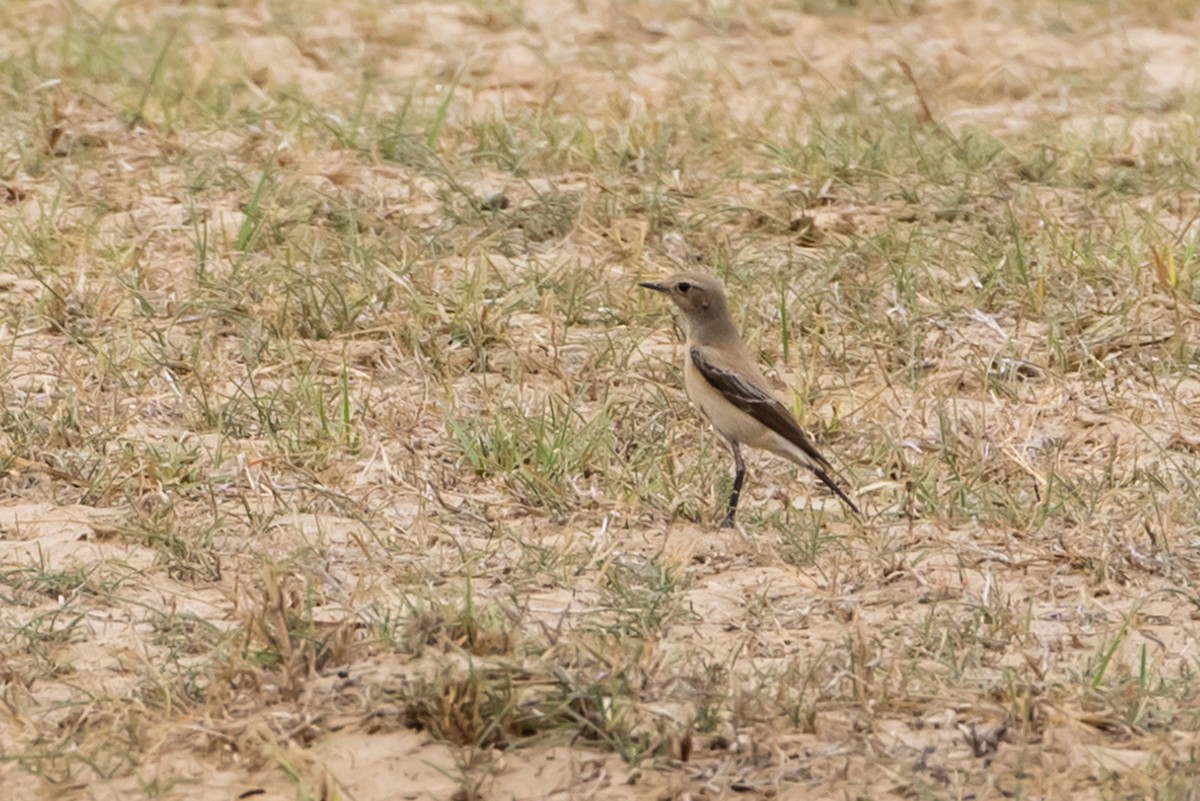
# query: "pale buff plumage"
[[726, 385]]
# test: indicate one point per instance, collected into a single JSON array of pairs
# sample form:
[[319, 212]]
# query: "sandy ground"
[[229, 606]]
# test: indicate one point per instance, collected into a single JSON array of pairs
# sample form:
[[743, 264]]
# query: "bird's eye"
[[683, 286]]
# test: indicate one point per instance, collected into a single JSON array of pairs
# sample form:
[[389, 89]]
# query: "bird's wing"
[[766, 409]]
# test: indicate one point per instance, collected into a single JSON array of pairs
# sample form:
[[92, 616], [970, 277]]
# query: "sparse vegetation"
[[342, 459]]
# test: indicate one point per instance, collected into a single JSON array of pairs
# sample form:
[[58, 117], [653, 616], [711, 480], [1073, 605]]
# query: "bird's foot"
[[727, 522]]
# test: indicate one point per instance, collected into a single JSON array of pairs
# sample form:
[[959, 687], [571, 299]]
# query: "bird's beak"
[[655, 287]]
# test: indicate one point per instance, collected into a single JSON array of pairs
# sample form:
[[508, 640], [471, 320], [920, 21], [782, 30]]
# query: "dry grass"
[[342, 460]]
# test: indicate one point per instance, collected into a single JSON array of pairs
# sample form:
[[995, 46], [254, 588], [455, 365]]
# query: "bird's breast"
[[723, 416], [693, 384]]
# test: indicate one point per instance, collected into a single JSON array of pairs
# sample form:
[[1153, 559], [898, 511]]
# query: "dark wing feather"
[[766, 409]]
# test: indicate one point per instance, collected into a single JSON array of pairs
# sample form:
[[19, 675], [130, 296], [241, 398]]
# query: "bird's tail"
[[828, 481]]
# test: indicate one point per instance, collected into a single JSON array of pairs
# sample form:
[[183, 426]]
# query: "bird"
[[730, 391]]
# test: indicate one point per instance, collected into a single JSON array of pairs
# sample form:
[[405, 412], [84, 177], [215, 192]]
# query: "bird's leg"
[[738, 478]]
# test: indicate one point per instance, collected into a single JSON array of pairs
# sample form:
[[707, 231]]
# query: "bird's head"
[[696, 294]]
